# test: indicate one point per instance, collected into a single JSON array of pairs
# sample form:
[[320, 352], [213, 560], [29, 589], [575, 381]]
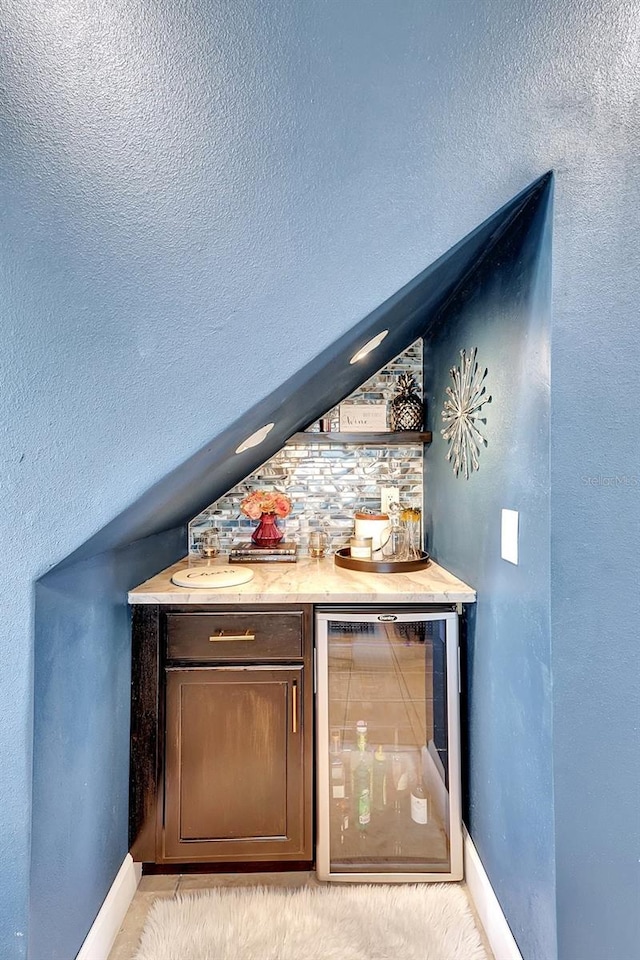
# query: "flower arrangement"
[[265, 501]]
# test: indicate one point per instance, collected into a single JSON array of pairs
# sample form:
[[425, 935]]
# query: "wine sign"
[[363, 418]]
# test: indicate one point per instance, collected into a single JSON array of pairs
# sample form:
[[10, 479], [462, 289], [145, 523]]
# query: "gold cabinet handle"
[[221, 635], [294, 706]]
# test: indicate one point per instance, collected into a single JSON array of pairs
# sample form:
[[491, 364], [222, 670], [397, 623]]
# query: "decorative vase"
[[267, 533], [406, 408]]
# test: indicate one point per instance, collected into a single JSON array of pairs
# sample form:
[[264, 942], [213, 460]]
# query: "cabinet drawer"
[[234, 636]]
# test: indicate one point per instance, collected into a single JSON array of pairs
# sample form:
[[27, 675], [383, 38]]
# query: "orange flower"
[[265, 501]]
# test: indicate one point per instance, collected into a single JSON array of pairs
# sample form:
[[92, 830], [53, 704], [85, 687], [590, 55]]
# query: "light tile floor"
[[156, 886]]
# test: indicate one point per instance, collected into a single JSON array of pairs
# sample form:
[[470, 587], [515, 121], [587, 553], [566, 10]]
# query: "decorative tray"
[[343, 558]]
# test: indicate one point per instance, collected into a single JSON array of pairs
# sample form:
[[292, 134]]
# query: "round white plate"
[[204, 578]]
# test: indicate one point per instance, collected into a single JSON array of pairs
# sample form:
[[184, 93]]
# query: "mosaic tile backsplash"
[[327, 482]]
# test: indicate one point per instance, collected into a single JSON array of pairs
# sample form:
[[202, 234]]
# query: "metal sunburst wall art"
[[462, 414]]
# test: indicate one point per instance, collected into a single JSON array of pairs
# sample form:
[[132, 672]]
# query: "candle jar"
[[318, 543], [361, 548], [210, 543]]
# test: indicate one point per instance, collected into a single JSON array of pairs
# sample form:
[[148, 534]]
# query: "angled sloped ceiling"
[[317, 387]]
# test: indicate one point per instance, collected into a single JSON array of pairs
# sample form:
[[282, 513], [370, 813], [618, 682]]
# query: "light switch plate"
[[509, 537]]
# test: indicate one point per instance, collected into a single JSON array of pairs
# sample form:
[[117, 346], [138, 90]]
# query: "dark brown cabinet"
[[221, 759], [234, 777]]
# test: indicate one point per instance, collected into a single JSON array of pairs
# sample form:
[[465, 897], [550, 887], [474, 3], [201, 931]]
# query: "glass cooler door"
[[388, 746]]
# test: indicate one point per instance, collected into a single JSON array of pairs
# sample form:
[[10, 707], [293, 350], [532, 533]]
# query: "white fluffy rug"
[[412, 922]]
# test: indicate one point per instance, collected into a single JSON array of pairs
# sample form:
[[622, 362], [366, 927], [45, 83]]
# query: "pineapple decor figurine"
[[406, 408]]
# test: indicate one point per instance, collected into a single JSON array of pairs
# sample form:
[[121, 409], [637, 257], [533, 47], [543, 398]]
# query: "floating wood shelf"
[[391, 436]]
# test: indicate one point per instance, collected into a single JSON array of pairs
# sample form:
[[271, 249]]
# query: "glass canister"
[[411, 517], [396, 546]]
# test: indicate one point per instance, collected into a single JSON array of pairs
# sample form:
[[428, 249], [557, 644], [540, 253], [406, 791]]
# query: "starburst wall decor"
[[461, 414]]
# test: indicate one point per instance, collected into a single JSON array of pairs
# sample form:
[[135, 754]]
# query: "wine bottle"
[[419, 803], [379, 780], [361, 734], [338, 779], [337, 768], [364, 809], [362, 794], [400, 778], [343, 814]]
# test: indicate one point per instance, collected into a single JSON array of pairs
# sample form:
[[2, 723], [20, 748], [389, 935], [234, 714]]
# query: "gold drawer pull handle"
[[221, 635], [294, 706]]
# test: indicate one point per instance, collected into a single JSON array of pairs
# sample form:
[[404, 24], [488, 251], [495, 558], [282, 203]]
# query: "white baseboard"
[[101, 936], [486, 903]]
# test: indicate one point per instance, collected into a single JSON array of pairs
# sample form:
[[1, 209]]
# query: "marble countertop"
[[311, 581]]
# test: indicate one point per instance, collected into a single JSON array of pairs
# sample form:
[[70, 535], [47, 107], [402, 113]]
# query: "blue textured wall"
[[503, 309], [81, 738], [183, 182]]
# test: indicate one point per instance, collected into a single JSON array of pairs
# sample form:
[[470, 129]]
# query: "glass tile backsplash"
[[327, 482]]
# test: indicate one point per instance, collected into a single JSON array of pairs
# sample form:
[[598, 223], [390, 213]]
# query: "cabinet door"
[[237, 767]]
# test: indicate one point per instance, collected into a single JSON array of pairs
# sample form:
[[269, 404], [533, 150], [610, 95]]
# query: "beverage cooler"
[[388, 742]]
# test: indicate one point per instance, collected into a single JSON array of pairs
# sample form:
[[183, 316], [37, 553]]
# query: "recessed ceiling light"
[[255, 438], [369, 346]]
